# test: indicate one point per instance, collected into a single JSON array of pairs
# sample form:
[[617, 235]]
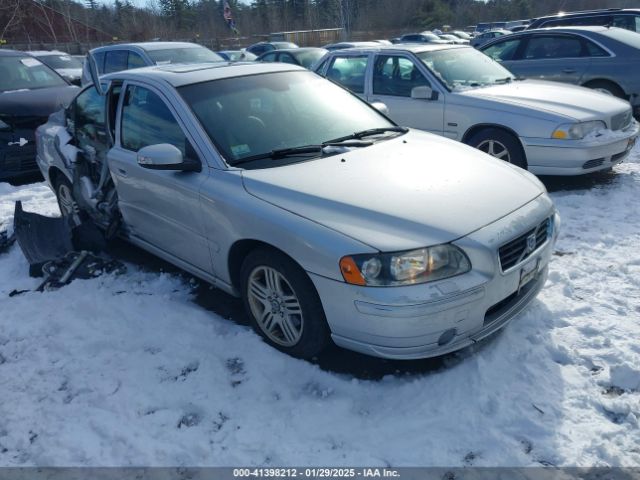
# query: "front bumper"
[[432, 319], [578, 157]]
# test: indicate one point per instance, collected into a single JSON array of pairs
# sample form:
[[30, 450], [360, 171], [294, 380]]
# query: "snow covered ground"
[[130, 370]]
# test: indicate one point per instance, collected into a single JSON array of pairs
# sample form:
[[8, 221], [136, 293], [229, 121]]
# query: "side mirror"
[[424, 92], [166, 157], [381, 107]]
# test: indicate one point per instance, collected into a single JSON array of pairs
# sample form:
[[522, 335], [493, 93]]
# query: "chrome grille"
[[621, 121], [521, 248]]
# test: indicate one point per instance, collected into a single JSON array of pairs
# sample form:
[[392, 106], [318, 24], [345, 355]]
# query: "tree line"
[[194, 19]]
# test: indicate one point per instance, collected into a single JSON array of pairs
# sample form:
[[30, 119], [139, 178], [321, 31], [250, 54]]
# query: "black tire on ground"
[[64, 194], [607, 87], [302, 335], [500, 144]]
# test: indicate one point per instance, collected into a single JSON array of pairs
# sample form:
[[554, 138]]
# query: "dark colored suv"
[[613, 17]]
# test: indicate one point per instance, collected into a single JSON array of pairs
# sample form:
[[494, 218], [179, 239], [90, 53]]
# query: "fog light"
[[446, 337]]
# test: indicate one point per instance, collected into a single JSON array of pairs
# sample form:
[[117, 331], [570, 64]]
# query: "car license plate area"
[[529, 272]]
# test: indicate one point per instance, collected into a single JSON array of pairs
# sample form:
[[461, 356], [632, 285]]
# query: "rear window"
[[60, 61], [184, 55], [22, 73]]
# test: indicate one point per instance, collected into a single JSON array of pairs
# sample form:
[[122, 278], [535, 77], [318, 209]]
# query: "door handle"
[[122, 172], [568, 70]]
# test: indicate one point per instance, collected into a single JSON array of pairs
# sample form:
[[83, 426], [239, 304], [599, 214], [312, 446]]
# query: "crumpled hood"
[[577, 103], [412, 191], [39, 102]]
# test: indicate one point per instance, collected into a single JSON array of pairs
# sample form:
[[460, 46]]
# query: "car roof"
[[43, 53], [295, 50], [11, 53], [567, 29], [148, 46], [402, 47], [179, 75], [587, 13]]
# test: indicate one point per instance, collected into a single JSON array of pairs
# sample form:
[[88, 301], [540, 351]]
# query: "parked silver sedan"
[[601, 58], [329, 220], [456, 91]]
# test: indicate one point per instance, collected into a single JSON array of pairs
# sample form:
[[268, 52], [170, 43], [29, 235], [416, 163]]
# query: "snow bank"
[[128, 370]]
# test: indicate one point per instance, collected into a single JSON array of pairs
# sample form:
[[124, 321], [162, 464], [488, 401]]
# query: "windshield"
[[462, 35], [254, 115], [309, 57], [19, 73], [461, 68], [60, 61], [184, 55]]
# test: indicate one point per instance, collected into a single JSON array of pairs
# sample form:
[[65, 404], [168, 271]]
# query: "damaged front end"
[[62, 248]]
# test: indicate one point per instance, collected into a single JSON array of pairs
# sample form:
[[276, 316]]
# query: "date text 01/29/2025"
[[315, 472]]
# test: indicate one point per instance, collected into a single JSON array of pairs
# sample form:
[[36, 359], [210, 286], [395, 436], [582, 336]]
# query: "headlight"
[[577, 131], [405, 268]]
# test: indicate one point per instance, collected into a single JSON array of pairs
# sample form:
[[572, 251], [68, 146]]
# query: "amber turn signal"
[[350, 271]]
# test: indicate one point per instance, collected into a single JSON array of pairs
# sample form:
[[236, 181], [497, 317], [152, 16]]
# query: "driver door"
[[160, 207], [394, 77]]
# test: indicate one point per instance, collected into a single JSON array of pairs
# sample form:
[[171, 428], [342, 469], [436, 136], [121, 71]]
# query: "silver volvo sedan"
[[455, 91], [329, 220]]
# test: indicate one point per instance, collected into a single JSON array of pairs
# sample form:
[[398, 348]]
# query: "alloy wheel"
[[275, 306], [68, 205], [495, 149]]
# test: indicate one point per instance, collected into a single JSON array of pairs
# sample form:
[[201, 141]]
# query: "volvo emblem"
[[531, 243]]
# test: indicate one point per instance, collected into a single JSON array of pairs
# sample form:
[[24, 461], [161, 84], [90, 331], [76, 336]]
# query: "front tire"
[[64, 194], [283, 304], [499, 144]]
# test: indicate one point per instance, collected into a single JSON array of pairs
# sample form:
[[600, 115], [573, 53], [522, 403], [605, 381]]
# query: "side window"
[[135, 61], [288, 58], [88, 117], [594, 50], [115, 61], [503, 51], [269, 57], [146, 120], [349, 72], [553, 47], [630, 22], [396, 76], [100, 61]]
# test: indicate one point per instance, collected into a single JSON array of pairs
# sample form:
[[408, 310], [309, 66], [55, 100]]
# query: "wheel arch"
[[54, 173], [615, 84], [471, 131], [240, 249]]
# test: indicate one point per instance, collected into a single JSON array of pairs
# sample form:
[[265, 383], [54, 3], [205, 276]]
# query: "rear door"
[[393, 78], [160, 207], [555, 57], [350, 71]]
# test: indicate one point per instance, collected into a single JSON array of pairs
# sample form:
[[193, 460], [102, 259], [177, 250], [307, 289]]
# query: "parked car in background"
[[481, 28], [613, 17], [453, 39], [456, 91], [216, 170], [261, 47], [595, 57], [461, 34], [343, 45], [424, 37], [237, 55], [66, 65], [29, 92], [125, 56], [517, 28], [305, 57], [488, 36]]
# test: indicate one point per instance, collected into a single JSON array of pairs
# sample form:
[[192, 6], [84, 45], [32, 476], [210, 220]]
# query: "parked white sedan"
[[546, 127]]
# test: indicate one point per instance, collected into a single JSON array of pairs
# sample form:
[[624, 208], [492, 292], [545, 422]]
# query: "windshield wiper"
[[368, 133], [296, 151]]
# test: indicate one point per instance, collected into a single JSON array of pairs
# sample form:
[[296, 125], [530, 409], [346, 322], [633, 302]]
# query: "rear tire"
[[283, 304], [499, 144], [609, 88]]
